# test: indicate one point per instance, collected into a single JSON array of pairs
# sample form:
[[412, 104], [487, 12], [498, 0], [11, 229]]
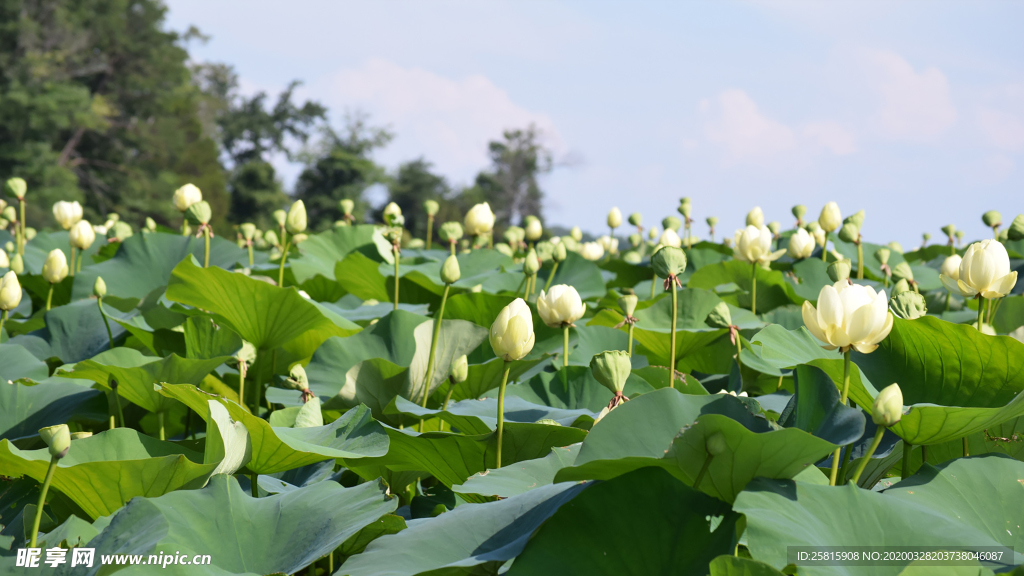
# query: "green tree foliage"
[[411, 186], [511, 185]]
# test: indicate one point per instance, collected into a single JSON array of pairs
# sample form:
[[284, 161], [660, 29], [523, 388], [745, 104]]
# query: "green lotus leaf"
[[772, 288], [813, 276], [17, 362], [581, 274], [519, 477], [480, 416], [483, 378], [736, 566], [75, 331], [26, 409], [320, 252], [360, 276], [571, 388], [481, 309]]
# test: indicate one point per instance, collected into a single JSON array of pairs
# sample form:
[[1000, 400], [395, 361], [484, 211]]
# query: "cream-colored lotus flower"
[[592, 251], [755, 217], [534, 230], [984, 270], [830, 219], [576, 234], [67, 213], [801, 244], [670, 238], [849, 316], [609, 244], [951, 266], [614, 217], [82, 235], [754, 244], [5, 262], [560, 306], [479, 220], [55, 269], [10, 291], [186, 196], [512, 335]]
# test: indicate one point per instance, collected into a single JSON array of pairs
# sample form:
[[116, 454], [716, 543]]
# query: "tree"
[[411, 186], [511, 185]]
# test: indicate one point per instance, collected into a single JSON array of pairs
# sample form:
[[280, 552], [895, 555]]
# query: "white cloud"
[[914, 105], [832, 136], [449, 121], [1003, 130]]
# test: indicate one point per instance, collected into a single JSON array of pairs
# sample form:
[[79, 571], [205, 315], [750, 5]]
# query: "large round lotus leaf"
[[521, 476], [38, 248], [320, 252], [76, 332], [772, 288], [481, 416], [571, 388], [26, 408]]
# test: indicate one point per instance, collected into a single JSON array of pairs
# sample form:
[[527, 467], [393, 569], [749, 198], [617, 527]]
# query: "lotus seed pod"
[[668, 261], [685, 210], [839, 271], [882, 255], [653, 233], [450, 232], [113, 217], [10, 288], [635, 240], [431, 207], [57, 439], [926, 236], [248, 231], [1015, 231], [611, 368], [627, 303], [296, 222], [909, 305], [636, 219], [902, 271], [30, 233], [716, 444], [16, 187], [684, 200], [888, 407], [812, 226], [119, 232], [199, 213], [10, 214], [17, 264], [55, 269], [720, 316], [614, 218], [857, 219], [896, 246], [186, 196], [531, 264], [712, 221], [671, 223], [774, 227], [959, 236], [901, 286], [450, 272], [830, 219], [559, 254], [347, 206], [798, 211], [280, 216], [150, 224], [99, 288], [849, 233], [460, 370], [755, 217], [576, 234], [992, 219], [949, 230]]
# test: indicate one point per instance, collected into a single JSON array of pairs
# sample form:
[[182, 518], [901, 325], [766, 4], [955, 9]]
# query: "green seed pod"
[[57, 439], [908, 305], [199, 213], [671, 222], [716, 444], [1016, 229], [16, 187], [720, 317], [560, 254], [712, 221], [668, 261], [895, 246], [774, 227], [902, 271], [10, 214], [30, 233], [882, 255], [992, 219], [248, 231], [119, 232], [959, 235], [247, 353], [839, 270], [347, 206], [636, 219], [857, 219], [450, 231], [900, 287], [632, 257], [545, 250], [949, 230], [628, 304], [849, 233], [812, 226], [635, 240], [431, 207], [926, 237], [531, 265], [450, 272], [611, 368], [99, 288], [514, 235], [798, 211], [297, 377], [685, 210]]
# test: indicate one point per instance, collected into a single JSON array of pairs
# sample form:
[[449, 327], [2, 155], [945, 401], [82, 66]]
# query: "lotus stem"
[[396, 275], [672, 346], [160, 422], [110, 335], [864, 461], [206, 250], [453, 248], [860, 260], [42, 500], [565, 344], [824, 249], [117, 403], [250, 256], [753, 288], [21, 224], [846, 391], [433, 348], [71, 268], [3, 319], [430, 229], [949, 295], [49, 297], [703, 471], [80, 258], [629, 345], [981, 311], [184, 227], [551, 276], [501, 409], [284, 256], [654, 282], [905, 468], [448, 396], [242, 369]]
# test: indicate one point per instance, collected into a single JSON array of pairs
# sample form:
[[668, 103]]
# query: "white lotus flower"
[[534, 230], [186, 196], [512, 335], [609, 244], [55, 269], [614, 218], [951, 266], [560, 306], [10, 291], [82, 235], [479, 220], [849, 316], [754, 244], [830, 219], [592, 251], [801, 244], [670, 238], [67, 213], [984, 270]]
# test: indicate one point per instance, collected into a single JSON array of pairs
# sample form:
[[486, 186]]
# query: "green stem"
[[949, 295], [395, 249], [847, 454], [110, 335], [565, 345], [448, 397], [824, 249], [703, 471], [654, 282], [860, 260], [433, 348], [629, 346], [206, 250], [430, 230], [672, 347], [739, 349], [24, 240], [184, 227], [120, 410], [551, 276], [501, 409], [72, 267], [453, 248], [981, 311], [864, 461], [80, 258], [905, 469], [242, 369], [250, 255], [160, 422], [284, 256], [753, 288], [846, 391], [3, 319], [49, 297], [42, 500]]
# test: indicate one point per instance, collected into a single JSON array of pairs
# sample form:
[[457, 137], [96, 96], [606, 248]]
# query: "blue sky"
[[913, 111]]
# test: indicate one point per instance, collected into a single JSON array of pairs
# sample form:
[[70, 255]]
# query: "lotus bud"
[[901, 286], [271, 238], [30, 233], [636, 219], [57, 439], [300, 238], [531, 264], [80, 435], [186, 196], [1015, 231], [431, 207], [627, 303], [755, 217], [653, 233], [909, 305], [390, 212], [533, 229], [635, 240], [839, 271], [720, 316], [9, 246], [55, 269], [670, 238], [882, 255], [297, 377], [199, 213], [450, 272], [888, 407], [82, 235], [992, 219], [926, 237], [10, 214], [511, 334], [450, 232], [280, 216], [951, 266], [819, 237], [671, 223], [849, 233], [4, 223], [685, 210], [576, 234], [830, 219], [801, 244], [5, 261], [959, 236], [727, 242], [248, 231], [716, 444], [712, 221], [949, 230], [895, 246], [668, 261], [10, 288], [67, 213], [479, 220], [611, 368], [17, 263], [459, 370], [99, 288], [296, 221], [559, 254], [545, 250], [119, 232], [16, 187], [902, 271], [3, 204], [347, 206], [114, 217], [614, 218], [798, 211]]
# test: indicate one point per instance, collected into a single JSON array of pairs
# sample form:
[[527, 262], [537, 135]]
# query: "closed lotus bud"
[[882, 255], [10, 214], [668, 261], [559, 254], [271, 237], [347, 206], [150, 224], [479, 220], [614, 218], [628, 303], [16, 187], [390, 211], [652, 234], [30, 233], [57, 439], [280, 216], [819, 237], [849, 233], [119, 232], [82, 235], [67, 213], [895, 246], [511, 334], [720, 316], [560, 306], [55, 269], [592, 251], [857, 219], [431, 207], [611, 368], [888, 407], [902, 271], [531, 264], [512, 233], [712, 221], [992, 219], [248, 231], [5, 261], [186, 196], [801, 244], [450, 232], [247, 353], [460, 370], [10, 289], [909, 305], [300, 238], [9, 246], [900, 286], [670, 238], [99, 288], [1015, 231], [199, 213], [830, 219], [716, 444], [80, 435], [774, 227], [450, 272], [812, 226], [296, 221], [533, 229], [671, 223], [984, 270], [949, 230], [636, 219], [685, 210], [798, 211], [610, 245], [576, 234], [4, 223], [17, 264], [951, 266], [755, 217], [839, 271]]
